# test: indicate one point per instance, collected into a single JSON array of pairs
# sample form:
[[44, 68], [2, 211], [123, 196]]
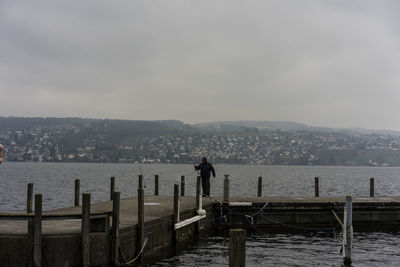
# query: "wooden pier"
[[126, 231]]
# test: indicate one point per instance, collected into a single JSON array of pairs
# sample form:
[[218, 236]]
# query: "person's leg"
[[206, 186]]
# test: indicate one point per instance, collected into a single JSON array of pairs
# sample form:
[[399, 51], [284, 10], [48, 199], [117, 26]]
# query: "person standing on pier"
[[205, 172]]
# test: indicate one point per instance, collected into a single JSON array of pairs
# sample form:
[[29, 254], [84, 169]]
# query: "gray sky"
[[324, 63]]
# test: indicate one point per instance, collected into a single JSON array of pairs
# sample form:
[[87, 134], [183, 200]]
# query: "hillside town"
[[268, 147]]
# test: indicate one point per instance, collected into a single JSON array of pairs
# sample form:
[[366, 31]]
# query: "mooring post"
[[348, 231], [372, 187], [176, 212], [259, 191], [226, 188], [140, 234], [316, 185], [182, 186], [29, 198], [115, 229], [198, 204], [237, 248], [156, 184], [85, 229], [37, 232], [112, 187], [77, 192], [198, 193]]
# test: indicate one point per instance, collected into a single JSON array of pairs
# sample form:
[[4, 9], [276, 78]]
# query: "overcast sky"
[[324, 63]]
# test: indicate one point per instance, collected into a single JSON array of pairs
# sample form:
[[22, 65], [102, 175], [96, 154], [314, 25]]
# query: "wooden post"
[[198, 204], [316, 185], [112, 187], [37, 232], [156, 184], [176, 212], [348, 231], [237, 248], [259, 192], [198, 193], [77, 192], [226, 188], [182, 186], [85, 230], [115, 229], [371, 187], [140, 234], [29, 198]]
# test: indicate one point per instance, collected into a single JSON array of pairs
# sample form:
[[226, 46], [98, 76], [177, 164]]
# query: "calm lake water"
[[56, 182]]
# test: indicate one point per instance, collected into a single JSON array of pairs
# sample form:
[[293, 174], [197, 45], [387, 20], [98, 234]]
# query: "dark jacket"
[[205, 170]]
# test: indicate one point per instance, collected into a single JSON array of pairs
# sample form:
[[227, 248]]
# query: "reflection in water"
[[311, 249]]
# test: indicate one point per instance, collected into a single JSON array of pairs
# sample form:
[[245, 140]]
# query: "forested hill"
[[278, 143]]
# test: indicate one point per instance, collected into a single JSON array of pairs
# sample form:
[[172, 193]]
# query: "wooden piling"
[[176, 212], [29, 198], [348, 231], [182, 186], [226, 188], [77, 192], [372, 187], [237, 248], [198, 204], [112, 187], [85, 229], [115, 229], [156, 184], [198, 193], [259, 191], [140, 234], [316, 186], [37, 232]]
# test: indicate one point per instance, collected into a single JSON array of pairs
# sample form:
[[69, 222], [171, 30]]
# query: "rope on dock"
[[137, 256]]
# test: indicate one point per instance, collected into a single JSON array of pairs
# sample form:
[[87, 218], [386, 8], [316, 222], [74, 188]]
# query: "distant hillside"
[[284, 126], [271, 125], [113, 127], [242, 142]]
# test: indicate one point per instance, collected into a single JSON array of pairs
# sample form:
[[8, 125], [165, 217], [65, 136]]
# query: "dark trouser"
[[205, 182]]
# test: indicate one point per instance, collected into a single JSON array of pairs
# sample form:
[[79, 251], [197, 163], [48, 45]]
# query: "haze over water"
[[56, 182]]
